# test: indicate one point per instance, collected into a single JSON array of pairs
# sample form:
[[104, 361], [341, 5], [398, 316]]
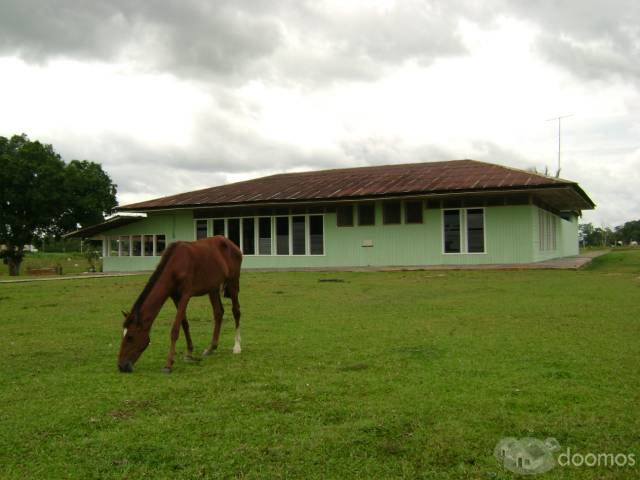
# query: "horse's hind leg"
[[218, 313], [233, 293], [185, 329]]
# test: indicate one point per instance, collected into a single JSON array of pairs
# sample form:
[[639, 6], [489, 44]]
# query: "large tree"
[[42, 195]]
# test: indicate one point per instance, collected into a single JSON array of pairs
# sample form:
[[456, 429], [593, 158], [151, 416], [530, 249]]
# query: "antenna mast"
[[559, 119]]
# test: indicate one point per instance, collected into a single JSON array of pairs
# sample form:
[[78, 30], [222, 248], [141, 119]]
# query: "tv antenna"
[[559, 119]]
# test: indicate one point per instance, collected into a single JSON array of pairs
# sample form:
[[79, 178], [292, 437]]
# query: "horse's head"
[[135, 339]]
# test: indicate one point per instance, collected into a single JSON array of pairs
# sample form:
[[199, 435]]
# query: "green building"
[[436, 213]]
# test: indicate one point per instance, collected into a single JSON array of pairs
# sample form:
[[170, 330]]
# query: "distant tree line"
[[626, 234]]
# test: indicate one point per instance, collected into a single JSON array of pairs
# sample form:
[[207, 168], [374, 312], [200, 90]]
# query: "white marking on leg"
[[236, 347], [124, 332]]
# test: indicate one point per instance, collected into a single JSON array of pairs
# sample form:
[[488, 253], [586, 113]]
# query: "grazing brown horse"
[[186, 269]]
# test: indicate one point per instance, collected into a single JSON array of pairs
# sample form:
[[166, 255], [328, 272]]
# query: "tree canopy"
[[40, 194]]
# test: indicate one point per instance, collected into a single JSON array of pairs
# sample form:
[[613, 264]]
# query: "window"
[[475, 230], [264, 236], [201, 229], [248, 236], [148, 245], [391, 213], [316, 235], [298, 235], [451, 231], [161, 244], [218, 226], [366, 214], [344, 214], [413, 212], [233, 225], [282, 235], [113, 246], [124, 246], [547, 230], [271, 235]]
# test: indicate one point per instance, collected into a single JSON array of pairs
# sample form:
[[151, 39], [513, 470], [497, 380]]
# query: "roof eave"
[[589, 204]]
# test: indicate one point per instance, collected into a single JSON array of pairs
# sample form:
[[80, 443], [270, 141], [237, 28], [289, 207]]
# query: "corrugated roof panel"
[[413, 178]]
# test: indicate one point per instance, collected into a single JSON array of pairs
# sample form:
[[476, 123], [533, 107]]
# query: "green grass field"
[[385, 375]]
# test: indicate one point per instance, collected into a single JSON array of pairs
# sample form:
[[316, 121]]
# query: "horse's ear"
[[125, 314]]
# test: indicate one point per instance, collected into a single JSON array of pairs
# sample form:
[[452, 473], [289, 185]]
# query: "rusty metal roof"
[[453, 176]]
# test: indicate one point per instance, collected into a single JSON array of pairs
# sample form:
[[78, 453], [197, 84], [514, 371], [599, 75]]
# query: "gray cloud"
[[219, 37], [279, 40], [289, 41]]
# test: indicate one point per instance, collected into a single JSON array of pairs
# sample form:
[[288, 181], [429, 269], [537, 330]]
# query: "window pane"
[[297, 235], [161, 244], [413, 212], [344, 214], [452, 231], [316, 235], [541, 233], [282, 235], [234, 230], [475, 230], [113, 246], [124, 246], [137, 246], [391, 212], [148, 245], [201, 229], [248, 236], [218, 226], [264, 236], [366, 214]]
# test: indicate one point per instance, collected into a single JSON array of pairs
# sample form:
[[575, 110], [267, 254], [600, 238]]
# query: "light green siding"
[[175, 226], [569, 236], [511, 236]]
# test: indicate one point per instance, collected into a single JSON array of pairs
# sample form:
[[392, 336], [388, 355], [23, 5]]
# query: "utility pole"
[[559, 119]]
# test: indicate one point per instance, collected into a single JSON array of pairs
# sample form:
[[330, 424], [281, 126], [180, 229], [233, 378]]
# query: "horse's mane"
[[135, 313]]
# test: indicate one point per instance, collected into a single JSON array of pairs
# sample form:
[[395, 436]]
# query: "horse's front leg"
[[175, 331], [187, 335]]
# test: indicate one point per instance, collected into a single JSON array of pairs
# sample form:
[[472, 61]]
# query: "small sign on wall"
[[367, 243]]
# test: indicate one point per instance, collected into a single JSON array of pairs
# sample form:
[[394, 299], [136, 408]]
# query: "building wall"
[[566, 237], [511, 236], [175, 226], [570, 237]]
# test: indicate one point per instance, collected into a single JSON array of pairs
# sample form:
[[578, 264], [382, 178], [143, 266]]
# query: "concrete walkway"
[[73, 277], [564, 263]]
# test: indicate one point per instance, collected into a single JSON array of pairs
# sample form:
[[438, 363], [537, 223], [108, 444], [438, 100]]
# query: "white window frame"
[[274, 237], [464, 234]]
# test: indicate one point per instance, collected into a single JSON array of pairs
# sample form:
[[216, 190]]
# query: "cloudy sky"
[[173, 96]]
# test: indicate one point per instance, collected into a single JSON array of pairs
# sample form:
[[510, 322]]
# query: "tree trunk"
[[14, 266]]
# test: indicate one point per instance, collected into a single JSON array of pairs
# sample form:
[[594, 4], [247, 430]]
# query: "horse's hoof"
[[191, 359], [237, 350], [166, 370], [208, 351]]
